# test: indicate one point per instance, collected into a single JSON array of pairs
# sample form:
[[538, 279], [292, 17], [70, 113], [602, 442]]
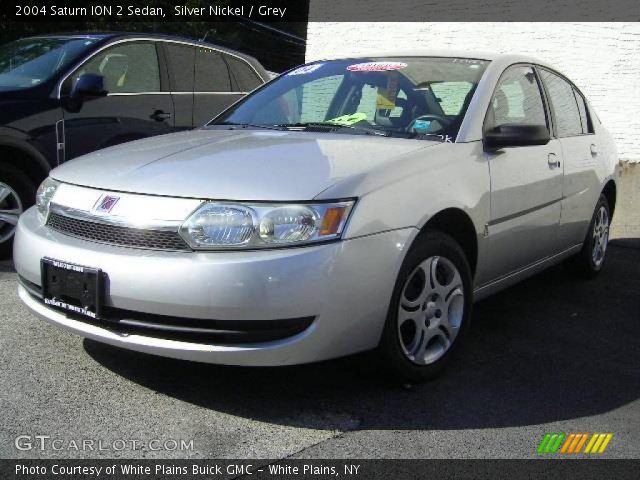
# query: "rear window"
[[563, 104], [585, 119]]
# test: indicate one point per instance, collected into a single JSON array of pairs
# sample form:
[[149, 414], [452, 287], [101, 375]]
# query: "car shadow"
[[551, 348]]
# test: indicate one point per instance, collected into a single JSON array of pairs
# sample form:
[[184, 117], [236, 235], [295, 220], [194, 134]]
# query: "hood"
[[235, 164]]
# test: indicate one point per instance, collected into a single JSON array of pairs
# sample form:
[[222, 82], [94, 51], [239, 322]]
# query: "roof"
[[492, 57], [69, 35], [112, 35], [106, 36]]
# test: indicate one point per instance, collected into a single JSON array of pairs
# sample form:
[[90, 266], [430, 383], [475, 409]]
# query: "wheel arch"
[[610, 191], [456, 223], [25, 158]]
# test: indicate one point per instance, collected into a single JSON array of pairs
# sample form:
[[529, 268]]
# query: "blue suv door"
[[137, 104]]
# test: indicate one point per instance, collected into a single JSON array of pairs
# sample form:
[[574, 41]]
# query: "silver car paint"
[[236, 165], [526, 215], [257, 285]]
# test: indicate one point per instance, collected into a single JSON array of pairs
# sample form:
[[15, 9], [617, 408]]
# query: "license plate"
[[72, 287]]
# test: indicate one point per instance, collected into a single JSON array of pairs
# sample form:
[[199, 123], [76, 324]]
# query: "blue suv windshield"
[[28, 62]]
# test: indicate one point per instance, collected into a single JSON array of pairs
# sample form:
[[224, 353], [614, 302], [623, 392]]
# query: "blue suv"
[[65, 95]]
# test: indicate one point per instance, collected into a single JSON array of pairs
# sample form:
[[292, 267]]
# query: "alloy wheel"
[[600, 235], [430, 310], [10, 210]]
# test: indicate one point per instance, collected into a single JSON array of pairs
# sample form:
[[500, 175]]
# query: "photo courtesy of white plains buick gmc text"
[[348, 205]]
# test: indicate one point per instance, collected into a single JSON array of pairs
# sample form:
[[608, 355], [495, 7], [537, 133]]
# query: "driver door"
[[136, 106], [526, 182]]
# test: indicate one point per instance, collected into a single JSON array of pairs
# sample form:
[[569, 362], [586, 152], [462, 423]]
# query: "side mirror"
[[88, 85], [515, 135]]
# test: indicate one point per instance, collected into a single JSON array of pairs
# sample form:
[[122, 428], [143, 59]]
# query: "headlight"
[[219, 226], [216, 226], [292, 223], [45, 193]]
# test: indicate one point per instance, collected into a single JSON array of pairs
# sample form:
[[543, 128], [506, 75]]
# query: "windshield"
[[400, 97], [29, 62]]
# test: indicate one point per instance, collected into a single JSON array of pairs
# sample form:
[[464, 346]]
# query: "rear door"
[[580, 150], [138, 103], [526, 182]]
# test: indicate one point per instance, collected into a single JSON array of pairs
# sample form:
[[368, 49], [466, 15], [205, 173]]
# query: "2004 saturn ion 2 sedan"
[[348, 205]]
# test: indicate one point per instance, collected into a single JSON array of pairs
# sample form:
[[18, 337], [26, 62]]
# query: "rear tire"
[[17, 193], [590, 260], [430, 309]]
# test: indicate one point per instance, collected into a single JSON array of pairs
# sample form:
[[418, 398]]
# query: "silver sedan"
[[347, 205]]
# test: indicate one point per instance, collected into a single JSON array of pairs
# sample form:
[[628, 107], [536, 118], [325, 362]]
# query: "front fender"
[[409, 192]]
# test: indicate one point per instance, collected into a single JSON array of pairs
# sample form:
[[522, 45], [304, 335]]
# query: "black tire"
[[26, 192], [583, 264], [391, 349]]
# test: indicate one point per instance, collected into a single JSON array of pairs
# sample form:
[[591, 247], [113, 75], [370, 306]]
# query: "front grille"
[[117, 235]]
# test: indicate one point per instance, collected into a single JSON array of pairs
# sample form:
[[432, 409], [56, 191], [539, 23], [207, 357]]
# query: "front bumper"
[[344, 288]]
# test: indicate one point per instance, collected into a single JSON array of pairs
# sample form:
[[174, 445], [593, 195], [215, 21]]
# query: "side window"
[[181, 66], [212, 73], [517, 99], [245, 77], [585, 119], [451, 95], [563, 104], [130, 67]]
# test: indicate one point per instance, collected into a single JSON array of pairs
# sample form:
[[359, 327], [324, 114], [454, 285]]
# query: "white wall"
[[603, 59]]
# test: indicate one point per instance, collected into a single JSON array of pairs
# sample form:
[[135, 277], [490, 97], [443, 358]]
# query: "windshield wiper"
[[334, 128], [234, 126], [321, 127]]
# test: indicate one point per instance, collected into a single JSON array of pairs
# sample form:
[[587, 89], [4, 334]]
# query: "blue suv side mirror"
[[88, 85]]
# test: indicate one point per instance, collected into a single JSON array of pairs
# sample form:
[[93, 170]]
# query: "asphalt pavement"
[[551, 354]]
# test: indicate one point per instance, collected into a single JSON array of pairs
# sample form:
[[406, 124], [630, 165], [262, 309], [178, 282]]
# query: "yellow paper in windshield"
[[386, 99], [349, 119]]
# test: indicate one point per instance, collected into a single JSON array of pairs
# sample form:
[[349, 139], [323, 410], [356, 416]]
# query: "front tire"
[[590, 260], [430, 309], [17, 193]]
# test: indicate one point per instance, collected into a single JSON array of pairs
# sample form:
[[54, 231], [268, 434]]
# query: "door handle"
[[553, 161], [594, 150], [160, 116]]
